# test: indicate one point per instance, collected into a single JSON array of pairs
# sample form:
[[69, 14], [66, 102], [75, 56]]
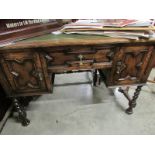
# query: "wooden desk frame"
[[27, 68]]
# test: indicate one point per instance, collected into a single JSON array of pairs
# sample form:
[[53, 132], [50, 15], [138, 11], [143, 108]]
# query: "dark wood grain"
[[28, 68], [130, 65]]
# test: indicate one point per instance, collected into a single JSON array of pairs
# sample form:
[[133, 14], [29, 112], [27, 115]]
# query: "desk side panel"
[[131, 65], [23, 72]]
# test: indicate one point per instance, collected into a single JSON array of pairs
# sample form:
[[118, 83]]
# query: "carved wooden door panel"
[[130, 65], [24, 72]]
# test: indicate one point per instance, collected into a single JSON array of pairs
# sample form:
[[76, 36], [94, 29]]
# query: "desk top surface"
[[66, 40]]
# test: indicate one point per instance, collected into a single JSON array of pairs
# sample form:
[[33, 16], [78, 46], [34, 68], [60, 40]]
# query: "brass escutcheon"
[[80, 56]]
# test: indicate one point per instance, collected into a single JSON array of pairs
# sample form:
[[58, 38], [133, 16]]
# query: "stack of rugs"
[[116, 28]]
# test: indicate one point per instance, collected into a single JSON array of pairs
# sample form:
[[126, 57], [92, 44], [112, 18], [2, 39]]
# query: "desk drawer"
[[132, 65], [78, 57], [23, 71]]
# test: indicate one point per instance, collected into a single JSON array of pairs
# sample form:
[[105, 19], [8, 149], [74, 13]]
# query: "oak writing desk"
[[27, 68]]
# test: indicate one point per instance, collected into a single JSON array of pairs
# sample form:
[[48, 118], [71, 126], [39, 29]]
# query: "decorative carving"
[[131, 65], [59, 57], [25, 73], [120, 66], [110, 55], [147, 59]]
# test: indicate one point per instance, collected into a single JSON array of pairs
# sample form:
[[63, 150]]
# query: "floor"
[[86, 110]]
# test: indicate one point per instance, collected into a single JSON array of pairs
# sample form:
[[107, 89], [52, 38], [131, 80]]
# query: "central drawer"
[[72, 58]]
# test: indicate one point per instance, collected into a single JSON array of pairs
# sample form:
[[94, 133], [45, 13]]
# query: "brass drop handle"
[[49, 58], [81, 59], [120, 66], [110, 55], [40, 76], [30, 85], [15, 73], [18, 61], [139, 65]]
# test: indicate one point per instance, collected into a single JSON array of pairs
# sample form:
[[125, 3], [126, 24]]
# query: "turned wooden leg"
[[25, 100], [21, 113], [102, 76], [94, 77], [135, 96], [132, 102]]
